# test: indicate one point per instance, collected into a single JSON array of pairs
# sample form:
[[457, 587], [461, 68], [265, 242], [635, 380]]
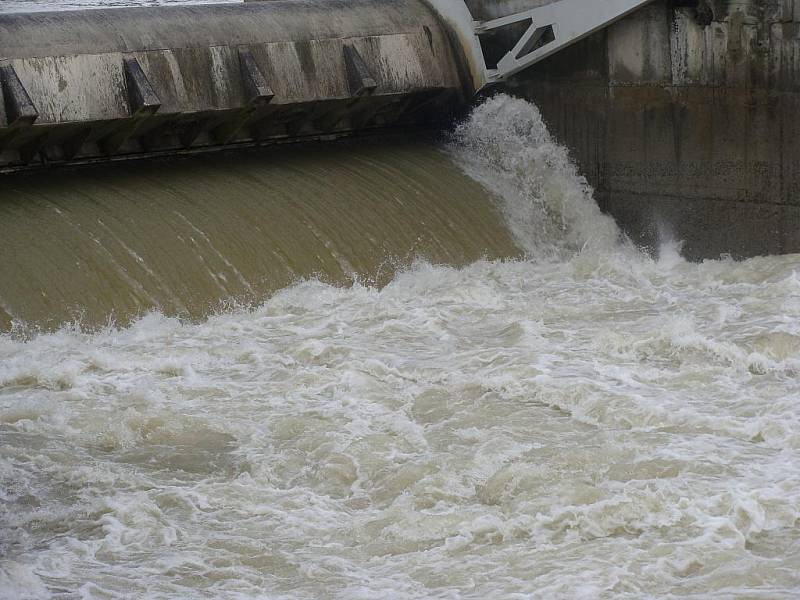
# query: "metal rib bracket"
[[142, 102], [359, 78], [142, 99], [553, 27], [20, 110], [257, 90]]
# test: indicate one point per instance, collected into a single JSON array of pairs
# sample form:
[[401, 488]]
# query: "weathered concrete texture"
[[685, 123], [126, 82], [483, 10]]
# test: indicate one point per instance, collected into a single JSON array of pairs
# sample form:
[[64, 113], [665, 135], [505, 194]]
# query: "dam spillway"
[[679, 112], [189, 237], [92, 86]]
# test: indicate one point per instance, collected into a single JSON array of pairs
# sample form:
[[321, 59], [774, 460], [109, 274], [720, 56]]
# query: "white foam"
[[505, 145], [585, 423]]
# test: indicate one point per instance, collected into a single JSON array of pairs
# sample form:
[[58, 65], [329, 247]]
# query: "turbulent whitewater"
[[575, 419]]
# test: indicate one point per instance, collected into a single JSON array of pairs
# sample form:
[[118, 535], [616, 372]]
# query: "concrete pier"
[[685, 117], [92, 85]]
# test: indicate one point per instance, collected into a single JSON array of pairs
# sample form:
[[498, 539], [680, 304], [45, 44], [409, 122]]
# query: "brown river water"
[[404, 368]]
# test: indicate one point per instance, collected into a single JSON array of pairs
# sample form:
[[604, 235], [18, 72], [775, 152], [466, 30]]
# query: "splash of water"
[[548, 205]]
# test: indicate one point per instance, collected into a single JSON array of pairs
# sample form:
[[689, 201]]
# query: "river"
[[220, 381]]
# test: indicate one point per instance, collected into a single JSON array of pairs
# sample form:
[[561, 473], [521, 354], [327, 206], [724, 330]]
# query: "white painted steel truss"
[[552, 27]]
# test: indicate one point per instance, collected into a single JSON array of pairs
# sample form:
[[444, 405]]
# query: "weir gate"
[[106, 84]]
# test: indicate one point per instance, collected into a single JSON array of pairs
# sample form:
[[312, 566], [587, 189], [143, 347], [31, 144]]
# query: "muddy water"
[[583, 422], [188, 237]]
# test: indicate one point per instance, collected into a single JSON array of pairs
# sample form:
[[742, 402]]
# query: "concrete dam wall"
[[685, 118], [89, 85]]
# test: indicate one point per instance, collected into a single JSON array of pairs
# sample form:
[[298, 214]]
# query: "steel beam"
[[564, 22]]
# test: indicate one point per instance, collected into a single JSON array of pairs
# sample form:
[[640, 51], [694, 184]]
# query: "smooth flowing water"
[[581, 422], [188, 237]]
